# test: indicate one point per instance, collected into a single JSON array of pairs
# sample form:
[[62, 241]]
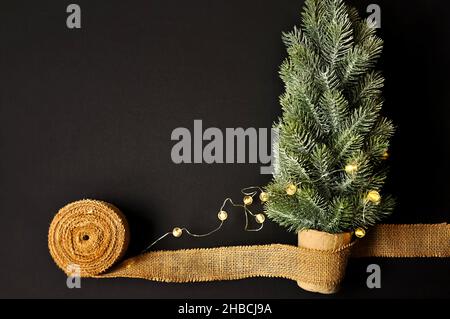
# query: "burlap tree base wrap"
[[94, 235]]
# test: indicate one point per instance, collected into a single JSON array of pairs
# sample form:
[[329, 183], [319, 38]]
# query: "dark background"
[[89, 113]]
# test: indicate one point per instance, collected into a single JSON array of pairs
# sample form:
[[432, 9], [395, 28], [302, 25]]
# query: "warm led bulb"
[[360, 232], [260, 218], [177, 232], [264, 197], [351, 168], [373, 197], [248, 200], [291, 189], [222, 215]]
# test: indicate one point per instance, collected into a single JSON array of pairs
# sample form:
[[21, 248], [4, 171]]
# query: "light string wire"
[[246, 210], [249, 191]]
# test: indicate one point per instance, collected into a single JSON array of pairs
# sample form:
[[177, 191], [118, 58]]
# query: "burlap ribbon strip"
[[94, 236]]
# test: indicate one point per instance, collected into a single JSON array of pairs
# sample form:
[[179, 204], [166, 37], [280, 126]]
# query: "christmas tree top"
[[332, 141]]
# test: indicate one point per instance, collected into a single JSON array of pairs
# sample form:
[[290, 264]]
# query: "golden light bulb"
[[222, 215], [291, 189], [177, 232], [260, 218], [248, 200], [360, 232], [351, 168], [374, 197], [264, 197]]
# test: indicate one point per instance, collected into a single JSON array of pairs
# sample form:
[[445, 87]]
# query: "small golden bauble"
[[264, 197], [260, 218], [248, 200], [351, 168], [222, 215], [373, 197], [385, 155], [177, 232], [360, 232], [291, 189]]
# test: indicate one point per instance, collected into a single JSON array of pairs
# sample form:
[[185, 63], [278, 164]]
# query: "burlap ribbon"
[[94, 235]]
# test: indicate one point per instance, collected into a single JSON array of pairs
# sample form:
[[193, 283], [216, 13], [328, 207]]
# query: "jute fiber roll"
[[94, 235]]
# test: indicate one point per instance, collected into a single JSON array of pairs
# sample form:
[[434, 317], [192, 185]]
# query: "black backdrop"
[[89, 113]]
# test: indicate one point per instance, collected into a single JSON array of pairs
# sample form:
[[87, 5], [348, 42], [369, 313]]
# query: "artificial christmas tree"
[[332, 141]]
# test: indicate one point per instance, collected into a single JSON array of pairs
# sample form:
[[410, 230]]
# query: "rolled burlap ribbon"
[[93, 236]]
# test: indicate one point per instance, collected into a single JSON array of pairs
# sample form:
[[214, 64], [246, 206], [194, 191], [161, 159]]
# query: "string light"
[[264, 197], [248, 200], [249, 192], [222, 215], [374, 197], [351, 168], [177, 232], [260, 218], [360, 232], [291, 189]]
